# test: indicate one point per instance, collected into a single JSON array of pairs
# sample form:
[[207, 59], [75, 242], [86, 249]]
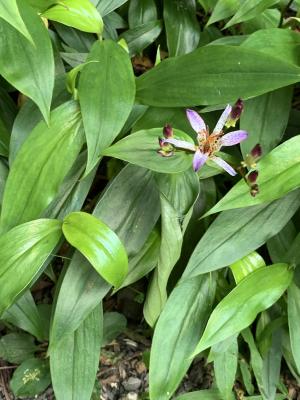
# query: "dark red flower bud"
[[168, 131], [237, 109], [254, 190], [252, 177], [256, 152]]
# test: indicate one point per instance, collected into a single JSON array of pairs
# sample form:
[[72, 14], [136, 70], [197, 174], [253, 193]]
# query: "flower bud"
[[235, 114], [256, 152], [252, 176], [254, 190], [168, 131]]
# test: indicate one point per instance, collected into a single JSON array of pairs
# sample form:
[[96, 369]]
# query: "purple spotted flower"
[[208, 144]]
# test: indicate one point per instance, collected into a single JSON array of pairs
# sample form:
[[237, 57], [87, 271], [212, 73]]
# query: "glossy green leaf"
[[225, 366], [294, 323], [223, 9], [175, 335], [250, 9], [255, 293], [246, 265], [46, 156], [9, 11], [113, 325], [17, 347], [29, 68], [271, 367], [141, 12], [236, 233], [191, 80], [265, 126], [142, 36], [246, 376], [99, 244], [31, 378], [74, 362], [107, 6], [106, 94], [3, 177], [212, 394], [141, 147], [279, 245], [25, 315], [278, 175], [182, 27], [75, 39], [79, 14], [23, 251]]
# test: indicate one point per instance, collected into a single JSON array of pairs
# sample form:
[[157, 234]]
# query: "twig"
[[9, 367]]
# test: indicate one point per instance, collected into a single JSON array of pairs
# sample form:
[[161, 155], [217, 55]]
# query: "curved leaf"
[[9, 11], [106, 95], [23, 251], [40, 166], [141, 147], [214, 75], [255, 293], [28, 67], [294, 324], [246, 265], [79, 14], [99, 244]]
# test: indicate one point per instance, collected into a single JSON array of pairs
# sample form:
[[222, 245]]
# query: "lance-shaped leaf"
[[212, 394], [79, 14], [106, 94], [236, 233], [99, 244], [23, 251], [223, 9], [278, 174], [141, 147], [74, 362], [294, 324], [246, 265], [9, 11], [255, 293], [29, 68], [40, 166], [190, 79], [175, 336]]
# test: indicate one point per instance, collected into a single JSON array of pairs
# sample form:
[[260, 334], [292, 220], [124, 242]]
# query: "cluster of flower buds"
[[166, 149], [249, 163]]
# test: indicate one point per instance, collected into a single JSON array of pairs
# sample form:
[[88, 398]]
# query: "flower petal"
[[199, 160], [181, 144], [223, 119], [223, 164], [195, 120], [232, 138]]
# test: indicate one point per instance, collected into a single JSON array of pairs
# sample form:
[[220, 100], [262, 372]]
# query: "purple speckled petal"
[[181, 144], [223, 119], [223, 164], [195, 120], [232, 138], [199, 160]]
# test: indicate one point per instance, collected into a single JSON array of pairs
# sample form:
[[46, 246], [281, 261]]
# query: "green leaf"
[[279, 245], [141, 12], [271, 367], [9, 11], [190, 80], [3, 177], [113, 325], [99, 244], [106, 7], [236, 233], [23, 250], [246, 376], [29, 68], [250, 9], [225, 366], [74, 362], [17, 347], [182, 27], [142, 36], [294, 323], [279, 173], [212, 394], [106, 94], [223, 10], [79, 14], [175, 336], [141, 147], [246, 265], [31, 378], [46, 156], [255, 293], [265, 126], [25, 315]]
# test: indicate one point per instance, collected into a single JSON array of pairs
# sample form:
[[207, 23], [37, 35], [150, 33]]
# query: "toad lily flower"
[[208, 144]]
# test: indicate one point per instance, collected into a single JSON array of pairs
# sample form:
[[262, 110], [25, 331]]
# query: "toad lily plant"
[[208, 144]]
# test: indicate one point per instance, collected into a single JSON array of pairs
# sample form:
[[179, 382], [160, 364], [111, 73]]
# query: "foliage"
[[125, 126]]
